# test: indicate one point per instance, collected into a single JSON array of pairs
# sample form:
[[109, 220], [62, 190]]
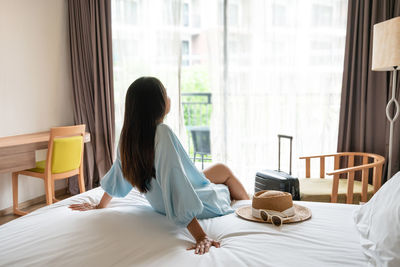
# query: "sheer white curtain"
[[284, 68], [146, 42], [281, 73]]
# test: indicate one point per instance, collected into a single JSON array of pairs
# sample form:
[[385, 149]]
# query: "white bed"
[[129, 232]]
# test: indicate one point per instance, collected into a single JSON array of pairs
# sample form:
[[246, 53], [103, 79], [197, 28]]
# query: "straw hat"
[[274, 207]]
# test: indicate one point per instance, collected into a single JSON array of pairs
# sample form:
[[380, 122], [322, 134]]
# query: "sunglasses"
[[275, 219]]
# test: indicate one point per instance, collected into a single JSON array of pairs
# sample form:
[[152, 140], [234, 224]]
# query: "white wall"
[[35, 79]]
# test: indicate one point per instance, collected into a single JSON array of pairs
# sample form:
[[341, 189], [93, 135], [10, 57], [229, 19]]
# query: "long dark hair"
[[145, 107]]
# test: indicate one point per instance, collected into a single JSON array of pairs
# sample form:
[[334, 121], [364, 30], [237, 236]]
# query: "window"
[[125, 11], [282, 74], [233, 14], [322, 15], [279, 15], [185, 53], [185, 15]]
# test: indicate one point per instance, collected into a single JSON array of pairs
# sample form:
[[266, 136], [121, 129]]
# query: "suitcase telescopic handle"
[[280, 136]]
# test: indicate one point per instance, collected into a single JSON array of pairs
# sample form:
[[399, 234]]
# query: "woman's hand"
[[87, 206], [83, 206], [203, 246], [203, 243]]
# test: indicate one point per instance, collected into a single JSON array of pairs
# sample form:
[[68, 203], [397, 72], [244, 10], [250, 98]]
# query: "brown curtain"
[[92, 80], [363, 126]]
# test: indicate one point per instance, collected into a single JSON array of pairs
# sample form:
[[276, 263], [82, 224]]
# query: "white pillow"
[[378, 222]]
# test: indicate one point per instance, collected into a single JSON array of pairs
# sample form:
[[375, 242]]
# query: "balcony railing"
[[197, 108]]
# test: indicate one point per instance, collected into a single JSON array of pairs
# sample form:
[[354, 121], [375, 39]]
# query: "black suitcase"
[[279, 180]]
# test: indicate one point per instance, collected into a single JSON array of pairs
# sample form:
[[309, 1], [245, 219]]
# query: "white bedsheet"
[[129, 233]]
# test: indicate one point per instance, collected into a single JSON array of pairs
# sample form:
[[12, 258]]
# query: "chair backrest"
[[368, 161], [201, 139], [66, 146]]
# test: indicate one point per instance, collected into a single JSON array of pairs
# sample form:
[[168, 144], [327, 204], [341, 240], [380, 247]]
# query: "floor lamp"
[[386, 57]]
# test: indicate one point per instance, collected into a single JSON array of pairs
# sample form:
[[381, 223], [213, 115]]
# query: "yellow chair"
[[64, 159], [338, 190]]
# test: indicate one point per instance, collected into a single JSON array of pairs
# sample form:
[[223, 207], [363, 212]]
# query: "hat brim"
[[302, 214]]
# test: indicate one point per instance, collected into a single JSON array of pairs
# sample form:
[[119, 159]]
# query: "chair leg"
[[81, 181], [48, 189], [335, 188], [15, 195], [53, 191], [15, 190]]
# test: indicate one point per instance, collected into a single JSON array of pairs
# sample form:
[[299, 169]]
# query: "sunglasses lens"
[[276, 220], [264, 215]]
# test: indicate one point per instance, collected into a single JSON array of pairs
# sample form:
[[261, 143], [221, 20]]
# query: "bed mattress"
[[130, 233]]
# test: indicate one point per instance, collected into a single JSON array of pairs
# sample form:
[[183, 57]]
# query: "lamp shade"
[[386, 45]]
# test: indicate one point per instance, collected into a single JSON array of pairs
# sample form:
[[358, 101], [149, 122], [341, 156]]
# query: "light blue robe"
[[180, 191]]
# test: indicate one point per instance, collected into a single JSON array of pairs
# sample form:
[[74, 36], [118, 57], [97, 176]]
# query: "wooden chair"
[[343, 190], [64, 159]]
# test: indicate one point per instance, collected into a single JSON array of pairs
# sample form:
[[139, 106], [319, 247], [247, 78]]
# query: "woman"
[[151, 158]]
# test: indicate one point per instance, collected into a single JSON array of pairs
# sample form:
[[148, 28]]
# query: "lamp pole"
[[392, 120], [386, 57]]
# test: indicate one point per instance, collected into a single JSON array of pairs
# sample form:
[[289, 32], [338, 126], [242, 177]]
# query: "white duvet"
[[130, 233]]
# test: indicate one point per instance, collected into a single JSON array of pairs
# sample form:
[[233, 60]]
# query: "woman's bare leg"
[[221, 174]]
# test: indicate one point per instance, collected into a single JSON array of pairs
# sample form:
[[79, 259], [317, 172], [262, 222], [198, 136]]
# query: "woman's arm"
[[203, 242], [104, 201], [87, 206]]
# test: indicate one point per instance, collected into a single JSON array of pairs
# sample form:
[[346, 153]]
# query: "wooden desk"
[[17, 152]]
